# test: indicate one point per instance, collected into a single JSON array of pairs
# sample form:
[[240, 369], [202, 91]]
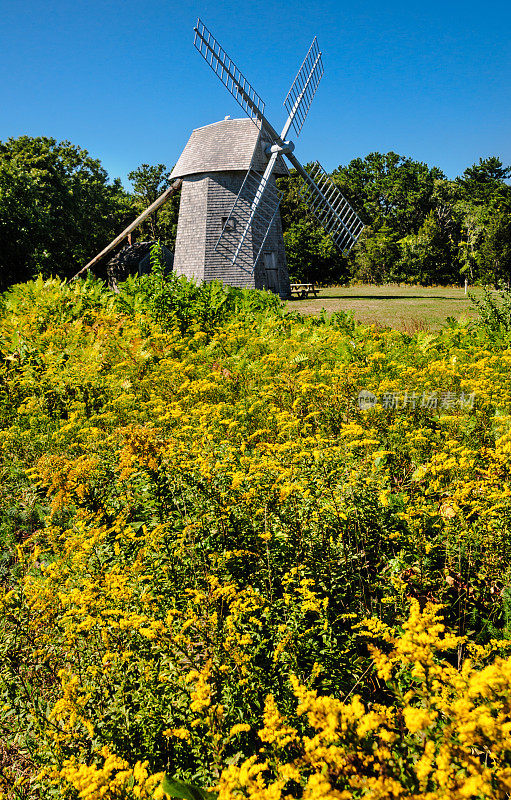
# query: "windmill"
[[229, 224], [248, 248]]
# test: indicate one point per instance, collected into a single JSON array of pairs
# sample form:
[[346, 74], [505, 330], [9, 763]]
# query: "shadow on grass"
[[386, 297]]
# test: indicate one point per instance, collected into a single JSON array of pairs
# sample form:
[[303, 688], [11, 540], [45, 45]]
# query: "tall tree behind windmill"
[[149, 182]]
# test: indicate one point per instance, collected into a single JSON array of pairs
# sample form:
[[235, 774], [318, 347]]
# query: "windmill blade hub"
[[282, 149]]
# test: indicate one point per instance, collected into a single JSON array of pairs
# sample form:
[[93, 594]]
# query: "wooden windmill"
[[229, 223], [213, 168]]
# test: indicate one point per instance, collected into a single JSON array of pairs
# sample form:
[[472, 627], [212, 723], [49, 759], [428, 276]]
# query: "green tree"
[[494, 255], [427, 256], [312, 256], [57, 208], [376, 256], [485, 183], [311, 253], [389, 190], [394, 197], [149, 182], [293, 209], [473, 220], [484, 212]]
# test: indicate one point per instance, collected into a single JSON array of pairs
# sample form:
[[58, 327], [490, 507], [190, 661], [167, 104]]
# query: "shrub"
[[494, 309], [173, 300]]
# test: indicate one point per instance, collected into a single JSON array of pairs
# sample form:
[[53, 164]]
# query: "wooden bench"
[[303, 290]]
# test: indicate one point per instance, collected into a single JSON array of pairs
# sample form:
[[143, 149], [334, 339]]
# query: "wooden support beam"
[[167, 194]]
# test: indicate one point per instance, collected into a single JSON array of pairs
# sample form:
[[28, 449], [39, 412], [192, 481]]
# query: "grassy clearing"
[[406, 308]]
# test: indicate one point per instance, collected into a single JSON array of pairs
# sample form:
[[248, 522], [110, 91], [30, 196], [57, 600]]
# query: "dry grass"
[[407, 308]]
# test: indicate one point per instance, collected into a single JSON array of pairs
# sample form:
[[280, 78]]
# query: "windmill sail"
[[330, 208], [301, 93], [247, 226], [228, 72], [246, 229]]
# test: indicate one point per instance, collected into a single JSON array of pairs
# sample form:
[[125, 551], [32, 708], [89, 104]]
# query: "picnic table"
[[303, 290]]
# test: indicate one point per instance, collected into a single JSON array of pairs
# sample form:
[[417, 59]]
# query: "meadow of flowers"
[[217, 566]]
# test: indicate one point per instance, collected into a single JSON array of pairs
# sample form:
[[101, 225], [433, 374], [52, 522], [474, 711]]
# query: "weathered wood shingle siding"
[[190, 249], [224, 146], [223, 188]]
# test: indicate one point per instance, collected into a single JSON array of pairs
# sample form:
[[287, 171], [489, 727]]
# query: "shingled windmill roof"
[[226, 146]]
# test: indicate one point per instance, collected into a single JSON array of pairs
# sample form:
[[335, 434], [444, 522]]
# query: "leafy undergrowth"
[[217, 565]]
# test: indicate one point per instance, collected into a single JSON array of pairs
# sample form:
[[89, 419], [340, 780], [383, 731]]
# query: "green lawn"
[[407, 308]]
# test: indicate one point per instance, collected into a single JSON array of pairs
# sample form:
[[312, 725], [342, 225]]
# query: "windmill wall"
[[190, 248]]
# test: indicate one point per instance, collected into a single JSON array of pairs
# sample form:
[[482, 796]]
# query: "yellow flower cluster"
[[211, 527], [455, 743], [114, 779]]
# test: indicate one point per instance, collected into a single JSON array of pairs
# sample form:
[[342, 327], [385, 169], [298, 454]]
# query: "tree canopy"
[[389, 190], [57, 208], [149, 182], [420, 226]]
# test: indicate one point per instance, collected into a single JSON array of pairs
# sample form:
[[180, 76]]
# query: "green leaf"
[[185, 791]]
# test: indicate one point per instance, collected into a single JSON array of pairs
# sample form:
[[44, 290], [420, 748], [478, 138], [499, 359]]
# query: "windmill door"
[[271, 281]]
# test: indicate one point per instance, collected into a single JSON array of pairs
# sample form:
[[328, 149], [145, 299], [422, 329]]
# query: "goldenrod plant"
[[249, 553]]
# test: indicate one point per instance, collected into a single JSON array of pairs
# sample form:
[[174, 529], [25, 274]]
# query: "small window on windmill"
[[228, 224]]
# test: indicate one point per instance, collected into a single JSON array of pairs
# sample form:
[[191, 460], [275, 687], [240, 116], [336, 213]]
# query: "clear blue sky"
[[430, 80]]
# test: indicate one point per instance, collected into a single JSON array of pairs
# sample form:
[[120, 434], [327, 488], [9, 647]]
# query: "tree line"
[[58, 208], [420, 227]]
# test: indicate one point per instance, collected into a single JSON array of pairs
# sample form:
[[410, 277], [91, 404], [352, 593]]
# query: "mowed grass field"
[[407, 308]]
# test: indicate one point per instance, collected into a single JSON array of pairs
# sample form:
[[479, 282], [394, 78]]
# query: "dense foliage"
[[149, 182], [58, 210], [420, 227], [219, 565]]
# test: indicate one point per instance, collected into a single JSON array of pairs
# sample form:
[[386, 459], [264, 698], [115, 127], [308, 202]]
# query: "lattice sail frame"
[[301, 94], [331, 208], [239, 242], [234, 80]]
